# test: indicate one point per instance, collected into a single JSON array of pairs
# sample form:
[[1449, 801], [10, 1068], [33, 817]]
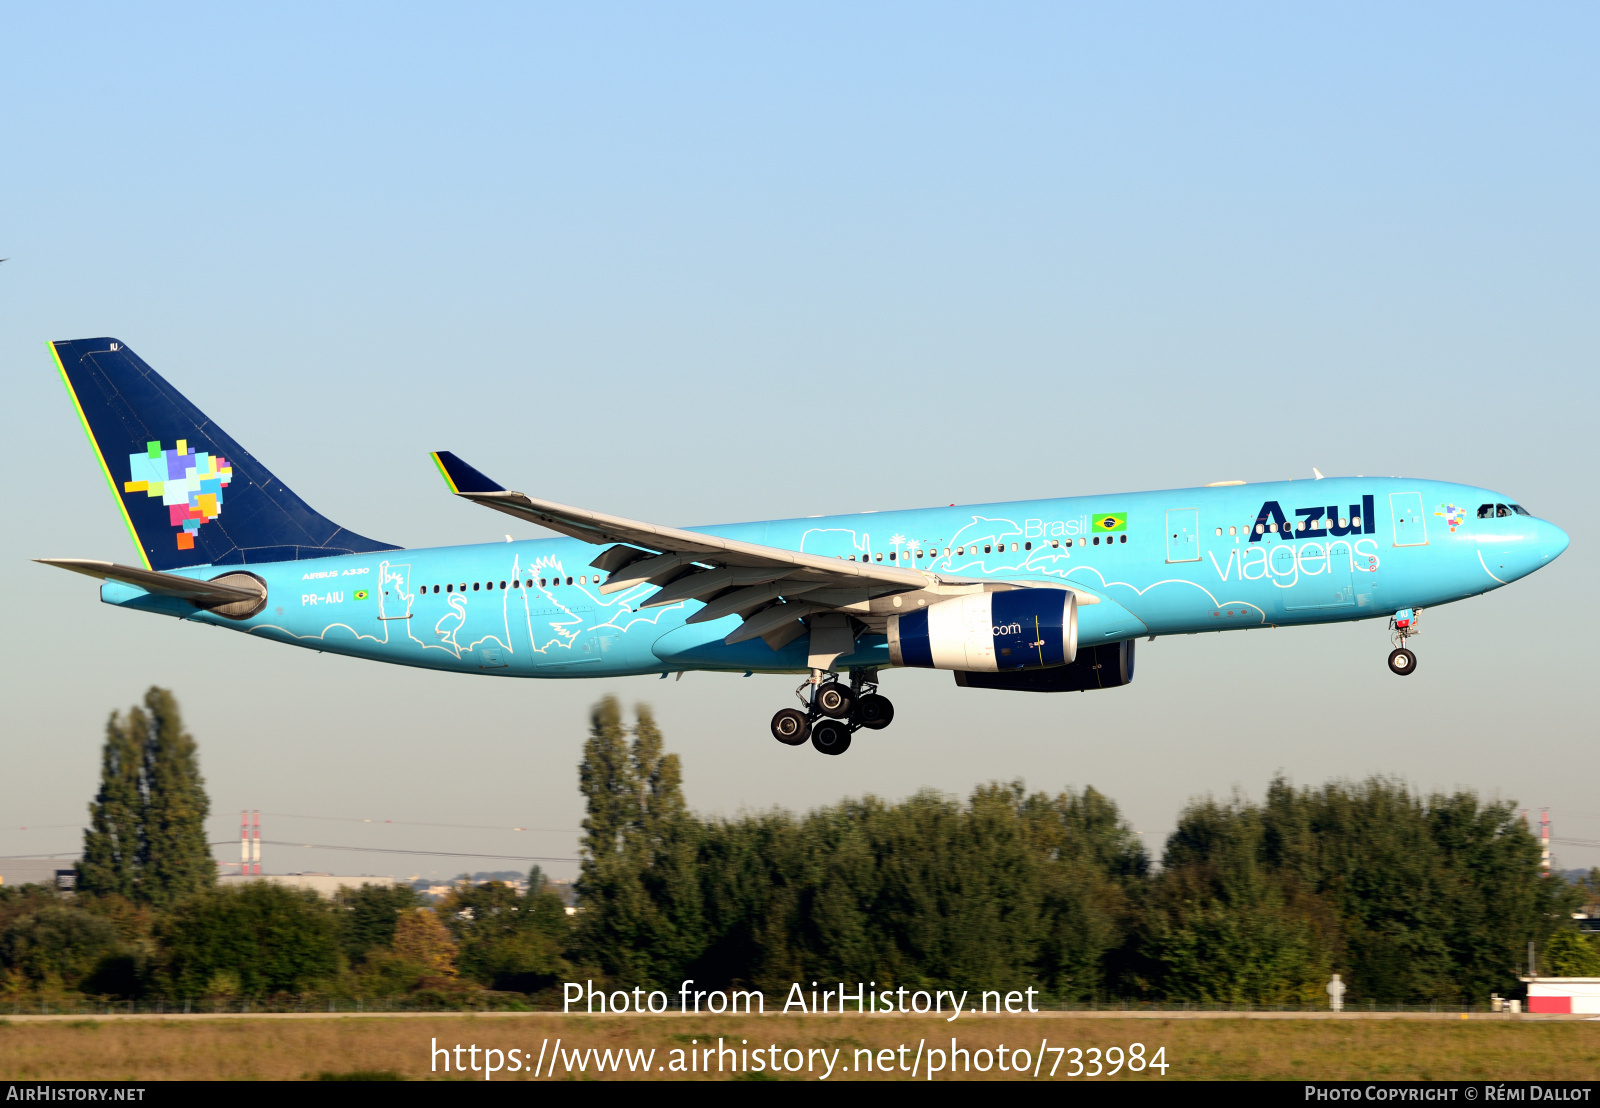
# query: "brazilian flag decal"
[[361, 594], [1110, 521]]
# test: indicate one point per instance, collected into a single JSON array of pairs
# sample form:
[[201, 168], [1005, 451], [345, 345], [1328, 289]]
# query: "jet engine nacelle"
[[989, 632], [1108, 665]]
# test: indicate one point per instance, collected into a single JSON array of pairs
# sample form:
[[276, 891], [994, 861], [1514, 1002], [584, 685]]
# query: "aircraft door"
[[1183, 534], [1410, 526]]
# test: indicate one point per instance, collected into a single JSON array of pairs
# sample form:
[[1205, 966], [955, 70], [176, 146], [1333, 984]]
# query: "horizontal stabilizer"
[[204, 593]]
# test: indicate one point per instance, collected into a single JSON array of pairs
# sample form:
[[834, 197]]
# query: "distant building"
[[324, 884], [58, 873], [434, 890], [1576, 995]]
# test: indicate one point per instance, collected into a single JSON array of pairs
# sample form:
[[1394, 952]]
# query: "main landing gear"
[[1404, 624], [833, 712]]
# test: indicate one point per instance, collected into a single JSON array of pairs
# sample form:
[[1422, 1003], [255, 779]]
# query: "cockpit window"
[[1501, 511], [1521, 511], [1485, 511]]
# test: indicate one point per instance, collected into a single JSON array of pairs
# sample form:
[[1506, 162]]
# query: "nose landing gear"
[[1404, 624], [833, 712]]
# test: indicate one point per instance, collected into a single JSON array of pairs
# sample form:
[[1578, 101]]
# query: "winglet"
[[461, 477]]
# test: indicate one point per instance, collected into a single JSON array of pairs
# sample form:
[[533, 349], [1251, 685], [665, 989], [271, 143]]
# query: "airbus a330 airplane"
[[1040, 595]]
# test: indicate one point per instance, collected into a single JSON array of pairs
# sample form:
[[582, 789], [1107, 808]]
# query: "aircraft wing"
[[204, 593], [770, 588]]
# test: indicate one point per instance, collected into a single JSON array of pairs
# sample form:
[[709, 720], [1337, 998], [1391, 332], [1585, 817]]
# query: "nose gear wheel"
[[1403, 624]]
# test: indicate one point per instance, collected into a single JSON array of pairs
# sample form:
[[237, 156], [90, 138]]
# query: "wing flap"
[[698, 586]]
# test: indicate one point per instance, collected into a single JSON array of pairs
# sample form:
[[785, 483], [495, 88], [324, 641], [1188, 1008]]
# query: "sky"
[[704, 263]]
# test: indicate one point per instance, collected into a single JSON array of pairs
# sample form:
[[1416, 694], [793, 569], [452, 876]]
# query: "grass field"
[[295, 1048]]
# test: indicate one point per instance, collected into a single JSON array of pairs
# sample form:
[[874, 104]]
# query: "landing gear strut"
[[831, 712], [1404, 624]]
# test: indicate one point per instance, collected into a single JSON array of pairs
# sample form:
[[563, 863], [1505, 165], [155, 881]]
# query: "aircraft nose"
[[1552, 541]]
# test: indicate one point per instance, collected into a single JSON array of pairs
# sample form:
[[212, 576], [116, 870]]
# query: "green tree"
[[1570, 954], [663, 853], [1412, 899], [1009, 888], [113, 843], [504, 940], [256, 939], [1221, 926], [177, 859], [146, 838], [367, 917], [610, 881], [55, 945]]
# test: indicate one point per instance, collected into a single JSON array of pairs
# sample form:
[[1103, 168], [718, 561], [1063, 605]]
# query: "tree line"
[[1411, 898]]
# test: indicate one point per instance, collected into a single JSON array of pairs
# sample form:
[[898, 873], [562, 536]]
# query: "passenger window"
[[1013, 548], [891, 555], [449, 588], [502, 584], [1355, 521], [1122, 538], [1233, 530], [879, 557], [569, 580], [947, 552], [1097, 540], [988, 550], [543, 582]]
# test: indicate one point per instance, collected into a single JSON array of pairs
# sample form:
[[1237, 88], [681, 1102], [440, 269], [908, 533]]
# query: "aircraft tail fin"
[[189, 494]]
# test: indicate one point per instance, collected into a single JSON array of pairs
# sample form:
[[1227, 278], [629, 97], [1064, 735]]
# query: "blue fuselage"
[[1159, 563]]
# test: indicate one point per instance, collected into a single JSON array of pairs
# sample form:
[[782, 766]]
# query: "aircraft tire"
[[830, 736], [1402, 662], [834, 700], [874, 712], [790, 727]]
